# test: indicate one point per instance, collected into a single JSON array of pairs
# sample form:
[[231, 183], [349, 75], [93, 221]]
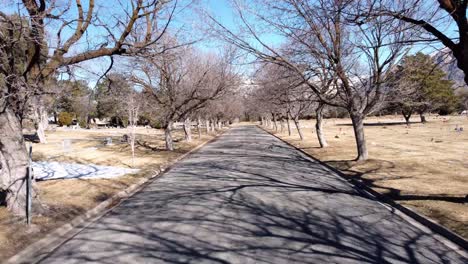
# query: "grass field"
[[424, 166], [61, 200]]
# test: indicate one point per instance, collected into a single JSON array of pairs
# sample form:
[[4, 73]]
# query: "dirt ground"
[[61, 200], [424, 166]]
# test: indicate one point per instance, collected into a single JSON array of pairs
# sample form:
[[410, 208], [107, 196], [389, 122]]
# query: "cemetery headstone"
[[67, 145]]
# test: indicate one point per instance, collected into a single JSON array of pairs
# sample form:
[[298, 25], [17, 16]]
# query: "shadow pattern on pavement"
[[249, 198]]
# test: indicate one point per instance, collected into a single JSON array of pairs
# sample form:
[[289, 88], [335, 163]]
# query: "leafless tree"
[[181, 82], [356, 50], [282, 89], [79, 32], [133, 102]]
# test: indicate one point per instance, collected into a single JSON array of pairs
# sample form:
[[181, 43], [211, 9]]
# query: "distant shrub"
[[65, 119], [83, 123], [156, 124]]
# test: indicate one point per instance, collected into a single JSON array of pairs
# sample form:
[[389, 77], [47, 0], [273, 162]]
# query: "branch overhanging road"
[[250, 198]]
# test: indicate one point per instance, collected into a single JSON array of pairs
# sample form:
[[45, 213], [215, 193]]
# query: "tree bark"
[[41, 123], [296, 122], [168, 136], [132, 142], [289, 125], [358, 126], [213, 125], [275, 125], [318, 126], [13, 162], [407, 116], [207, 124], [188, 129], [199, 127], [423, 117]]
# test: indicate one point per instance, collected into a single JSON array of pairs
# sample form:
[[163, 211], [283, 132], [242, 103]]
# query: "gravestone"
[[67, 145]]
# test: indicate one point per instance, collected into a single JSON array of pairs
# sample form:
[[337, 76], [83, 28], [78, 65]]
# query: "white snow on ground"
[[56, 170]]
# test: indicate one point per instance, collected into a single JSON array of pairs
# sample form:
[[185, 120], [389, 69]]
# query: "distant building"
[[105, 122]]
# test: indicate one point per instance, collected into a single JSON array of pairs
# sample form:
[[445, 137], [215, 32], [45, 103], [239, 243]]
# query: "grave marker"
[[66, 144]]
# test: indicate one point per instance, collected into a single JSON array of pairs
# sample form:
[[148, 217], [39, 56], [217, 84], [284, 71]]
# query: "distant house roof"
[[98, 121]]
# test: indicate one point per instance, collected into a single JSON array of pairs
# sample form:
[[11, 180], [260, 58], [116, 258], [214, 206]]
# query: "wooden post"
[[29, 188]]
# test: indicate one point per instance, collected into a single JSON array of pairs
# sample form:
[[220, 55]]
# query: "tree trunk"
[[358, 126], [213, 125], [275, 122], [199, 127], [461, 54], [132, 142], [296, 122], [281, 125], [289, 125], [168, 136], [188, 129], [41, 123], [423, 117], [13, 162], [318, 126], [275, 125], [407, 116], [207, 124]]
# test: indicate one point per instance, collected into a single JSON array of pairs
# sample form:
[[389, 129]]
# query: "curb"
[[41, 248], [456, 242]]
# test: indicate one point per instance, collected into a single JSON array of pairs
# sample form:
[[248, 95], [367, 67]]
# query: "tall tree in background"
[[420, 86], [111, 99], [72, 97], [126, 29]]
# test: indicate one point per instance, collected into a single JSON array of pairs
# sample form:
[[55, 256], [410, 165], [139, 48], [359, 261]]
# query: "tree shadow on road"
[[241, 204], [346, 166]]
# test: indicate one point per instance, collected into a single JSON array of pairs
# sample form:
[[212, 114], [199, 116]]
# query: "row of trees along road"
[[336, 53], [344, 52], [39, 40], [181, 82]]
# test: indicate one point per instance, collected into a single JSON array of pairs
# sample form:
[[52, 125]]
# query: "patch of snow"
[[57, 170]]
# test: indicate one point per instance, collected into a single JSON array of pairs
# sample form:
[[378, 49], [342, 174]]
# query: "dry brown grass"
[[424, 166], [64, 199]]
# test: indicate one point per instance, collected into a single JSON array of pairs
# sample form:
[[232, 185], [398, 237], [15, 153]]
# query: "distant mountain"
[[447, 62]]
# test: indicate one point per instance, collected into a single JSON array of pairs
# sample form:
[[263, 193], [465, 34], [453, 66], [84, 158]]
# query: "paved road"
[[249, 198]]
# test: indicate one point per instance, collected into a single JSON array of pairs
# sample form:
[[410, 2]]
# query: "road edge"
[[456, 242], [37, 250]]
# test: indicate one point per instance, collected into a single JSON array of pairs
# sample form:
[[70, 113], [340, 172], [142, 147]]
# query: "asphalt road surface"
[[250, 198]]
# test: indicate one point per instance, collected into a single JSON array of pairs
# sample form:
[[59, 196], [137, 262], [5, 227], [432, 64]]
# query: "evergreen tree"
[[419, 85]]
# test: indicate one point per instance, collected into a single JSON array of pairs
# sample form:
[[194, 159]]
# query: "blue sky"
[[185, 23]]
